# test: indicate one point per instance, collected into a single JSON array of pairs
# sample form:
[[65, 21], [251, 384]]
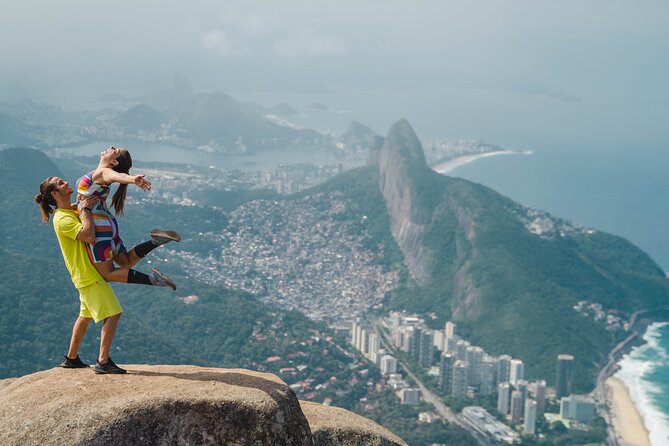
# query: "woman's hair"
[[124, 161], [45, 199]]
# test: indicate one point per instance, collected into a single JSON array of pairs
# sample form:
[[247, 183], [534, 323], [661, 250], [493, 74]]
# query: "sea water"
[[645, 372]]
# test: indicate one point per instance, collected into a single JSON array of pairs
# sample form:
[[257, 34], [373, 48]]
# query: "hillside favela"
[[369, 223]]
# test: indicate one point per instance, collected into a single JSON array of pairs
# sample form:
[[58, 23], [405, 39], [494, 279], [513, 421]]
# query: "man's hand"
[[142, 182], [88, 202]]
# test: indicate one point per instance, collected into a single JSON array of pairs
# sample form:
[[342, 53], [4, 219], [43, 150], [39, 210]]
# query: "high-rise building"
[[354, 333], [388, 365], [446, 372], [488, 382], [414, 343], [358, 336], [540, 396], [474, 357], [503, 398], [450, 343], [373, 344], [516, 371], [523, 387], [503, 368], [426, 352], [529, 426], [405, 338], [516, 407], [563, 374], [461, 349], [459, 388], [438, 340], [363, 340], [450, 329]]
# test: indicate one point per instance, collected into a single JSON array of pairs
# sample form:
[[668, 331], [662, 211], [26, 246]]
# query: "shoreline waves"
[[450, 165], [637, 383]]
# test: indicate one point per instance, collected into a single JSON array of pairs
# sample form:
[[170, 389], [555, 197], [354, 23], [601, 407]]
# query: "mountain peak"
[[403, 140]]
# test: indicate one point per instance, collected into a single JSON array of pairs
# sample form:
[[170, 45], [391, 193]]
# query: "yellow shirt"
[[67, 226]]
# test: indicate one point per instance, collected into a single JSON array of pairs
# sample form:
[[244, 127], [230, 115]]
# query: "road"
[[443, 410]]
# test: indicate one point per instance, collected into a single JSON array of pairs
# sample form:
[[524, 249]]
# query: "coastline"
[[453, 163], [627, 423], [635, 372]]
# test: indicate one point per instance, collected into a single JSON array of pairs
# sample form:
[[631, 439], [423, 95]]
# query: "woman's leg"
[[111, 273], [127, 275], [127, 259], [159, 237]]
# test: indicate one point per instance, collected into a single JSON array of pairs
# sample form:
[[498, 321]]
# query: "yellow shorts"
[[98, 301]]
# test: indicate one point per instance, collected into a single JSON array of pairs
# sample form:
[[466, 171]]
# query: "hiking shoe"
[[159, 279], [160, 236], [75, 363], [108, 368]]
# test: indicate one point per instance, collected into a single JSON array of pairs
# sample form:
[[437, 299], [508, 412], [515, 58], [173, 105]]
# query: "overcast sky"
[[491, 67]]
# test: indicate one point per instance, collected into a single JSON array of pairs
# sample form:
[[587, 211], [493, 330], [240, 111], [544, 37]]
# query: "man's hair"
[[45, 199], [124, 164]]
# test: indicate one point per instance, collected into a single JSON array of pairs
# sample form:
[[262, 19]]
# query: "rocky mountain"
[[172, 405], [509, 274]]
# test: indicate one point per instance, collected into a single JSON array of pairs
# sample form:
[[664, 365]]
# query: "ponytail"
[[45, 199], [123, 166]]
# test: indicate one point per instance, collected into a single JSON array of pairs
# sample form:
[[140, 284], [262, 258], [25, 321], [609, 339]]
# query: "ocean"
[[623, 192], [645, 372]]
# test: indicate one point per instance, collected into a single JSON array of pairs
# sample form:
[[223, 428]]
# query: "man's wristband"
[[88, 209]]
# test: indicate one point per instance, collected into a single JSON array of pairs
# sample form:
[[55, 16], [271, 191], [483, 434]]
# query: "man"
[[98, 301]]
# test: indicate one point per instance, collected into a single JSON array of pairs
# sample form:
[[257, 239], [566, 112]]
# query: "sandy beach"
[[627, 423], [451, 164]]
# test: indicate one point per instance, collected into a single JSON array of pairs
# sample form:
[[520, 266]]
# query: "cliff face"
[[399, 160], [170, 405]]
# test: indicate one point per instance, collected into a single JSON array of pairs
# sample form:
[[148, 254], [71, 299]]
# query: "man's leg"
[[78, 332], [106, 337]]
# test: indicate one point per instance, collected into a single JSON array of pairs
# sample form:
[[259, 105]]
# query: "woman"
[[114, 167]]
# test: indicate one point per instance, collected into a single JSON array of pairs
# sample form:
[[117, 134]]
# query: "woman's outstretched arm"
[[111, 176]]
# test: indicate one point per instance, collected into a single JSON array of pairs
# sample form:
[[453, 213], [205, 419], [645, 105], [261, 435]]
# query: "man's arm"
[[87, 232]]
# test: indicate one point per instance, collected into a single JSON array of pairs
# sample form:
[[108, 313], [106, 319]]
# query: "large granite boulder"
[[161, 405]]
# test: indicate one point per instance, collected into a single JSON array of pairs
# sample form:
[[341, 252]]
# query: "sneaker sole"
[[169, 281], [172, 235]]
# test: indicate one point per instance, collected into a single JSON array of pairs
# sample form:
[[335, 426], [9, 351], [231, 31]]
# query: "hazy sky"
[[513, 72]]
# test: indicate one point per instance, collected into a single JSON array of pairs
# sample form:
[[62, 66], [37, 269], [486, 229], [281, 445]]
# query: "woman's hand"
[[142, 182]]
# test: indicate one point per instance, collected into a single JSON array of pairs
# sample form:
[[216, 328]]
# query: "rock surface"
[[167, 405], [332, 426], [400, 161]]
